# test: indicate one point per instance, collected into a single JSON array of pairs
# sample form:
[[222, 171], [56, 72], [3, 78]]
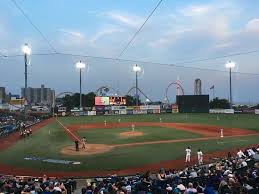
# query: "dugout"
[[193, 103]]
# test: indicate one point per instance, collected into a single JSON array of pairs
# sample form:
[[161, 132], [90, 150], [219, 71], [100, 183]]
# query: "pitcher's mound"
[[90, 149], [131, 134]]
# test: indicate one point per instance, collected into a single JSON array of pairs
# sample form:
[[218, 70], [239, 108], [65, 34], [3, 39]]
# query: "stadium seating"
[[11, 123], [228, 175]]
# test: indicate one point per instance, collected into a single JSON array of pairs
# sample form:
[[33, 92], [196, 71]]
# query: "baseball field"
[[124, 144]]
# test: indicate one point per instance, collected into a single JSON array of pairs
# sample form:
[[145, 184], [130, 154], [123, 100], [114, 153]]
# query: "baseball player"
[[188, 154], [83, 143], [200, 157]]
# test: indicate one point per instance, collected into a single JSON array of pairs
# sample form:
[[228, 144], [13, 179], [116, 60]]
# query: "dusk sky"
[[178, 31]]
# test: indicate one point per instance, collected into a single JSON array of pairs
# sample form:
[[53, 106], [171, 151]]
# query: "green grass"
[[44, 145], [245, 121], [48, 145], [111, 136]]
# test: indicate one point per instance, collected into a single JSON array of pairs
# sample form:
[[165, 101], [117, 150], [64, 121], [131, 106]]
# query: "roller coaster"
[[110, 91], [167, 88]]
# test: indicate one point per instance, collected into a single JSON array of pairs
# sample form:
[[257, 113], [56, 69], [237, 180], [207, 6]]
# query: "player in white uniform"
[[200, 157], [83, 143], [188, 154]]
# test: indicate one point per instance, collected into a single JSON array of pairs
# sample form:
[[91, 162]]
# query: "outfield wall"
[[222, 111], [149, 109]]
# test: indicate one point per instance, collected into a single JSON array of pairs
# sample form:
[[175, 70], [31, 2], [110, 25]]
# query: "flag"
[[212, 87]]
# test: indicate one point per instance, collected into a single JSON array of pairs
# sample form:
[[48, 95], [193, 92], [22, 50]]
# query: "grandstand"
[[231, 174]]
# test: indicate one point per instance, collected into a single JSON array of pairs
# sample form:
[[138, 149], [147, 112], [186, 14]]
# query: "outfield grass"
[[245, 121], [48, 141], [119, 158], [112, 136]]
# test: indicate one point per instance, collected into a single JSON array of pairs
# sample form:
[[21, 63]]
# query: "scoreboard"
[[193, 103], [111, 100], [117, 100]]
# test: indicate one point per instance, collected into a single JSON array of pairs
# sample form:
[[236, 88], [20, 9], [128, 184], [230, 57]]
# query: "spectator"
[[190, 189]]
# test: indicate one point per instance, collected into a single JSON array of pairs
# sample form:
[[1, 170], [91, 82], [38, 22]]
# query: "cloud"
[[169, 38], [193, 22], [253, 25], [72, 33], [104, 32], [3, 30], [125, 19], [195, 10], [71, 38], [224, 45]]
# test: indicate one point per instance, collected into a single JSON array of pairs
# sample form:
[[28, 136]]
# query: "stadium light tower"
[[136, 69], [230, 65], [26, 51], [80, 65]]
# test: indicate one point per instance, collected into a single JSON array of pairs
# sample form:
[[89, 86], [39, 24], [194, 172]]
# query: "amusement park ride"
[[108, 91]]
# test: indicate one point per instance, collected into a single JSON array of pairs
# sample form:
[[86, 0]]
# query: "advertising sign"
[[175, 108], [119, 107], [117, 100], [101, 100], [222, 111]]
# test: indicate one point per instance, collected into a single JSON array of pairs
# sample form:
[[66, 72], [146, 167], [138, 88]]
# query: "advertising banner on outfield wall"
[[115, 112], [122, 112], [91, 113], [156, 111], [222, 111], [149, 107], [248, 111], [257, 111], [163, 111], [129, 111], [149, 111], [136, 112], [119, 107]]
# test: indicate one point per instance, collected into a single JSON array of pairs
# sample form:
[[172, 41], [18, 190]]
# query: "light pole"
[[26, 51], [80, 65], [136, 69], [230, 65]]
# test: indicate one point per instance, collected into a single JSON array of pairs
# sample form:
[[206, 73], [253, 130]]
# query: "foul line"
[[68, 130]]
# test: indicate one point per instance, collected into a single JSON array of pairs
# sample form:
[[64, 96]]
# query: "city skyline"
[[177, 32]]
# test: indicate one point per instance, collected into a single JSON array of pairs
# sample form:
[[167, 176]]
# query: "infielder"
[[83, 143], [200, 157], [188, 154]]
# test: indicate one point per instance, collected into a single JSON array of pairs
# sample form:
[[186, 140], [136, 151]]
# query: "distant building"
[[9, 96], [42, 95], [16, 103], [2, 95]]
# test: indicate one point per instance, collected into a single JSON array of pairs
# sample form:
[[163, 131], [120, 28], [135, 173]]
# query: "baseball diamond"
[[112, 148]]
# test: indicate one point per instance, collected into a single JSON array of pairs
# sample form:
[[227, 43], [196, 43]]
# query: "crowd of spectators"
[[231, 175], [238, 174], [11, 123], [43, 185], [7, 120]]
